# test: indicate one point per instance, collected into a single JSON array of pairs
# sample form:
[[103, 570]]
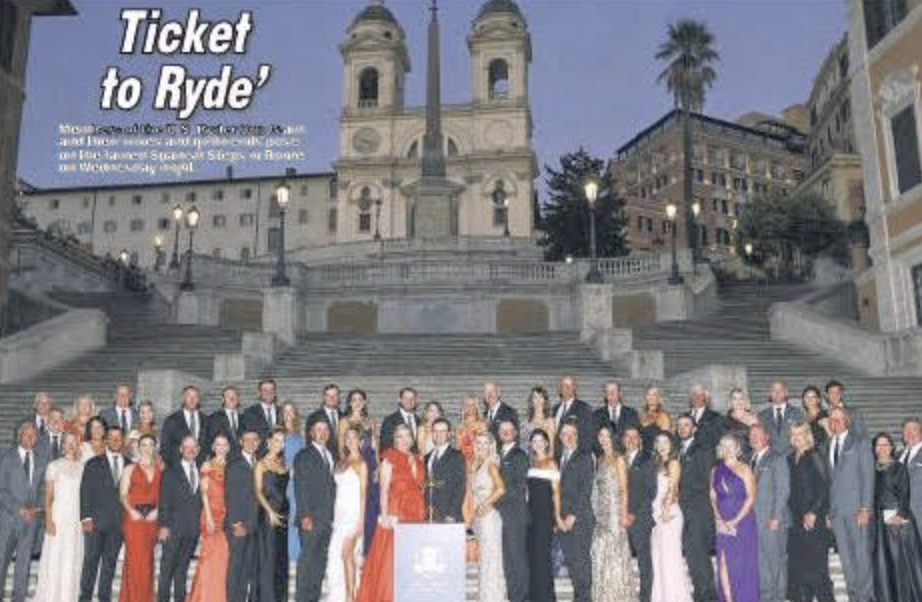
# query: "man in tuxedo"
[[315, 493], [697, 459], [41, 413], [329, 411], [405, 414], [614, 414], [851, 503], [242, 521], [184, 422], [513, 509], [22, 491], [641, 485], [779, 417], [496, 410], [121, 414], [709, 425], [178, 517], [263, 416], [226, 421], [572, 409], [912, 460], [773, 488], [101, 517], [446, 470], [834, 399], [577, 519], [52, 444]]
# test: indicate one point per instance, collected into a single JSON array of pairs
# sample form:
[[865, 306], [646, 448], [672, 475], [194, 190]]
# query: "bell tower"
[[500, 48], [375, 61]]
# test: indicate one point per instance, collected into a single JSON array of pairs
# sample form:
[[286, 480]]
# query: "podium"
[[429, 562]]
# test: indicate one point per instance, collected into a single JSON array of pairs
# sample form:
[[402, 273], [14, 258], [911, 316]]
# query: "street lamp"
[[378, 203], [158, 252], [124, 257], [192, 217], [592, 193], [696, 211], [282, 197], [674, 277], [177, 217]]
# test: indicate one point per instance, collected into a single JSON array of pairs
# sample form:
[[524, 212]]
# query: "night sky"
[[593, 75]]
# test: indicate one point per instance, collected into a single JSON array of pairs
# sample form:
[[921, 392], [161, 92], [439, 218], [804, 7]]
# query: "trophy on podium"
[[429, 486]]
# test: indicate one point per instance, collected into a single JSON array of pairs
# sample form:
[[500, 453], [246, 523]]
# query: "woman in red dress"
[[402, 477], [210, 584], [140, 489]]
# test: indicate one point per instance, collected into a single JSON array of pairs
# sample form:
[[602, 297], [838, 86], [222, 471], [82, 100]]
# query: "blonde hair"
[[734, 391], [491, 451], [80, 398], [802, 426], [467, 402]]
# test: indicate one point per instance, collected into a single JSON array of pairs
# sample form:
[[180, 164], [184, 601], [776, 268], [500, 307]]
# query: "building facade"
[[885, 54], [732, 164]]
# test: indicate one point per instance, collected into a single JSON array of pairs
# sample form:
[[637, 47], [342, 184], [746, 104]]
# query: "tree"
[[565, 219], [689, 54]]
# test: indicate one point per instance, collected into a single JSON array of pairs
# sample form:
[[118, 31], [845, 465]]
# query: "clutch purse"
[[145, 509]]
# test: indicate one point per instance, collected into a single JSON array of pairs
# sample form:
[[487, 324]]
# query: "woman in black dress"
[[271, 477], [812, 402], [544, 509], [897, 549], [808, 537]]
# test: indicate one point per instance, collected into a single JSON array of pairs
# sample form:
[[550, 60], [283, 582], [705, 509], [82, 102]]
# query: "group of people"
[[737, 506]]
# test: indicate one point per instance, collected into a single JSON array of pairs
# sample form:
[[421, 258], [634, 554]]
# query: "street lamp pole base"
[[594, 276], [280, 280], [187, 286], [676, 279]]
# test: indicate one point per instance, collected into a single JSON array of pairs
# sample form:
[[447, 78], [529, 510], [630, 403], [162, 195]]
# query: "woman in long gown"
[[431, 412], [487, 488], [740, 418], [612, 573], [812, 402], [733, 494], [469, 426], [539, 417], [271, 476], [210, 583], [348, 519], [294, 442], [897, 548], [544, 510], [808, 536], [357, 416], [402, 476], [140, 494], [654, 419], [62, 550], [670, 573]]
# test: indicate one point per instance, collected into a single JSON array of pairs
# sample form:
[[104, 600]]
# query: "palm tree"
[[689, 54]]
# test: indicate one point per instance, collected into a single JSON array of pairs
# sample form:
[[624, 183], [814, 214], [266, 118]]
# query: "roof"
[[499, 6], [376, 11], [178, 183]]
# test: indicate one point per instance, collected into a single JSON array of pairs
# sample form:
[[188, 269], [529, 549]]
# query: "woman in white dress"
[[670, 573], [348, 519], [487, 488], [62, 550]]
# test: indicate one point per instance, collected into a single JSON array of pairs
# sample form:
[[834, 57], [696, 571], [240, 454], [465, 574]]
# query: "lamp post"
[[177, 217], [674, 277], [592, 193], [378, 203], [696, 211], [282, 197], [158, 253], [192, 217]]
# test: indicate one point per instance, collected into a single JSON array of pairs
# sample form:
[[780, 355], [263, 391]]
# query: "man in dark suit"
[[577, 518], [641, 485], [178, 517], [405, 414], [911, 458], [709, 425], [513, 508], [184, 422], [614, 414], [697, 459], [572, 409], [315, 493], [497, 411], [101, 517], [242, 521], [120, 414], [446, 471], [329, 411], [779, 417], [41, 414], [225, 421], [263, 416], [52, 445], [834, 399]]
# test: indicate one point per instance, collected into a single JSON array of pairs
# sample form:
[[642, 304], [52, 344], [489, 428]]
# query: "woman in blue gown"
[[294, 441]]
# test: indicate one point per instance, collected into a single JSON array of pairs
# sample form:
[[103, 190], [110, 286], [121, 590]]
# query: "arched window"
[[413, 153], [368, 87], [500, 204], [498, 79], [452, 148], [365, 203]]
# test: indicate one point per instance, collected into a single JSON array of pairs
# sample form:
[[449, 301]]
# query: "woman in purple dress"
[[733, 493]]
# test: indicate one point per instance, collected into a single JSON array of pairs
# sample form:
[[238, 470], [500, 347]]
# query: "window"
[[136, 199], [110, 226], [368, 87], [9, 23], [365, 222], [218, 221], [302, 216], [245, 254], [714, 203], [703, 236], [246, 220], [163, 224], [84, 228], [137, 225], [499, 215], [190, 196], [413, 153], [274, 206], [498, 79], [303, 189], [699, 176], [880, 16], [649, 224], [452, 148], [165, 198], [275, 239], [906, 149], [54, 204], [332, 218], [917, 288], [724, 207], [217, 194], [246, 193]]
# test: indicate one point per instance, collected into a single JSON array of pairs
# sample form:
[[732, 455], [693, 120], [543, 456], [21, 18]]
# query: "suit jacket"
[[388, 425], [585, 425], [851, 481], [504, 412], [773, 488], [695, 485], [332, 442], [110, 417], [914, 470], [218, 424], [16, 490], [240, 495], [315, 488], [175, 430], [780, 441], [254, 418], [514, 470], [99, 497], [44, 447], [711, 427], [180, 506], [576, 479], [641, 486], [449, 473], [626, 419]]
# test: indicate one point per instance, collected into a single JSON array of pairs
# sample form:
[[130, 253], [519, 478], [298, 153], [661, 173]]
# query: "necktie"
[[269, 415], [27, 466], [193, 424], [55, 446], [492, 415], [779, 417], [123, 420], [329, 459], [233, 422], [332, 415], [41, 425], [755, 461], [412, 422], [835, 452], [191, 470], [904, 460], [566, 460], [116, 470]]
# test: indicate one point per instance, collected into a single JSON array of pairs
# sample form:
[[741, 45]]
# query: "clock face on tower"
[[366, 140]]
